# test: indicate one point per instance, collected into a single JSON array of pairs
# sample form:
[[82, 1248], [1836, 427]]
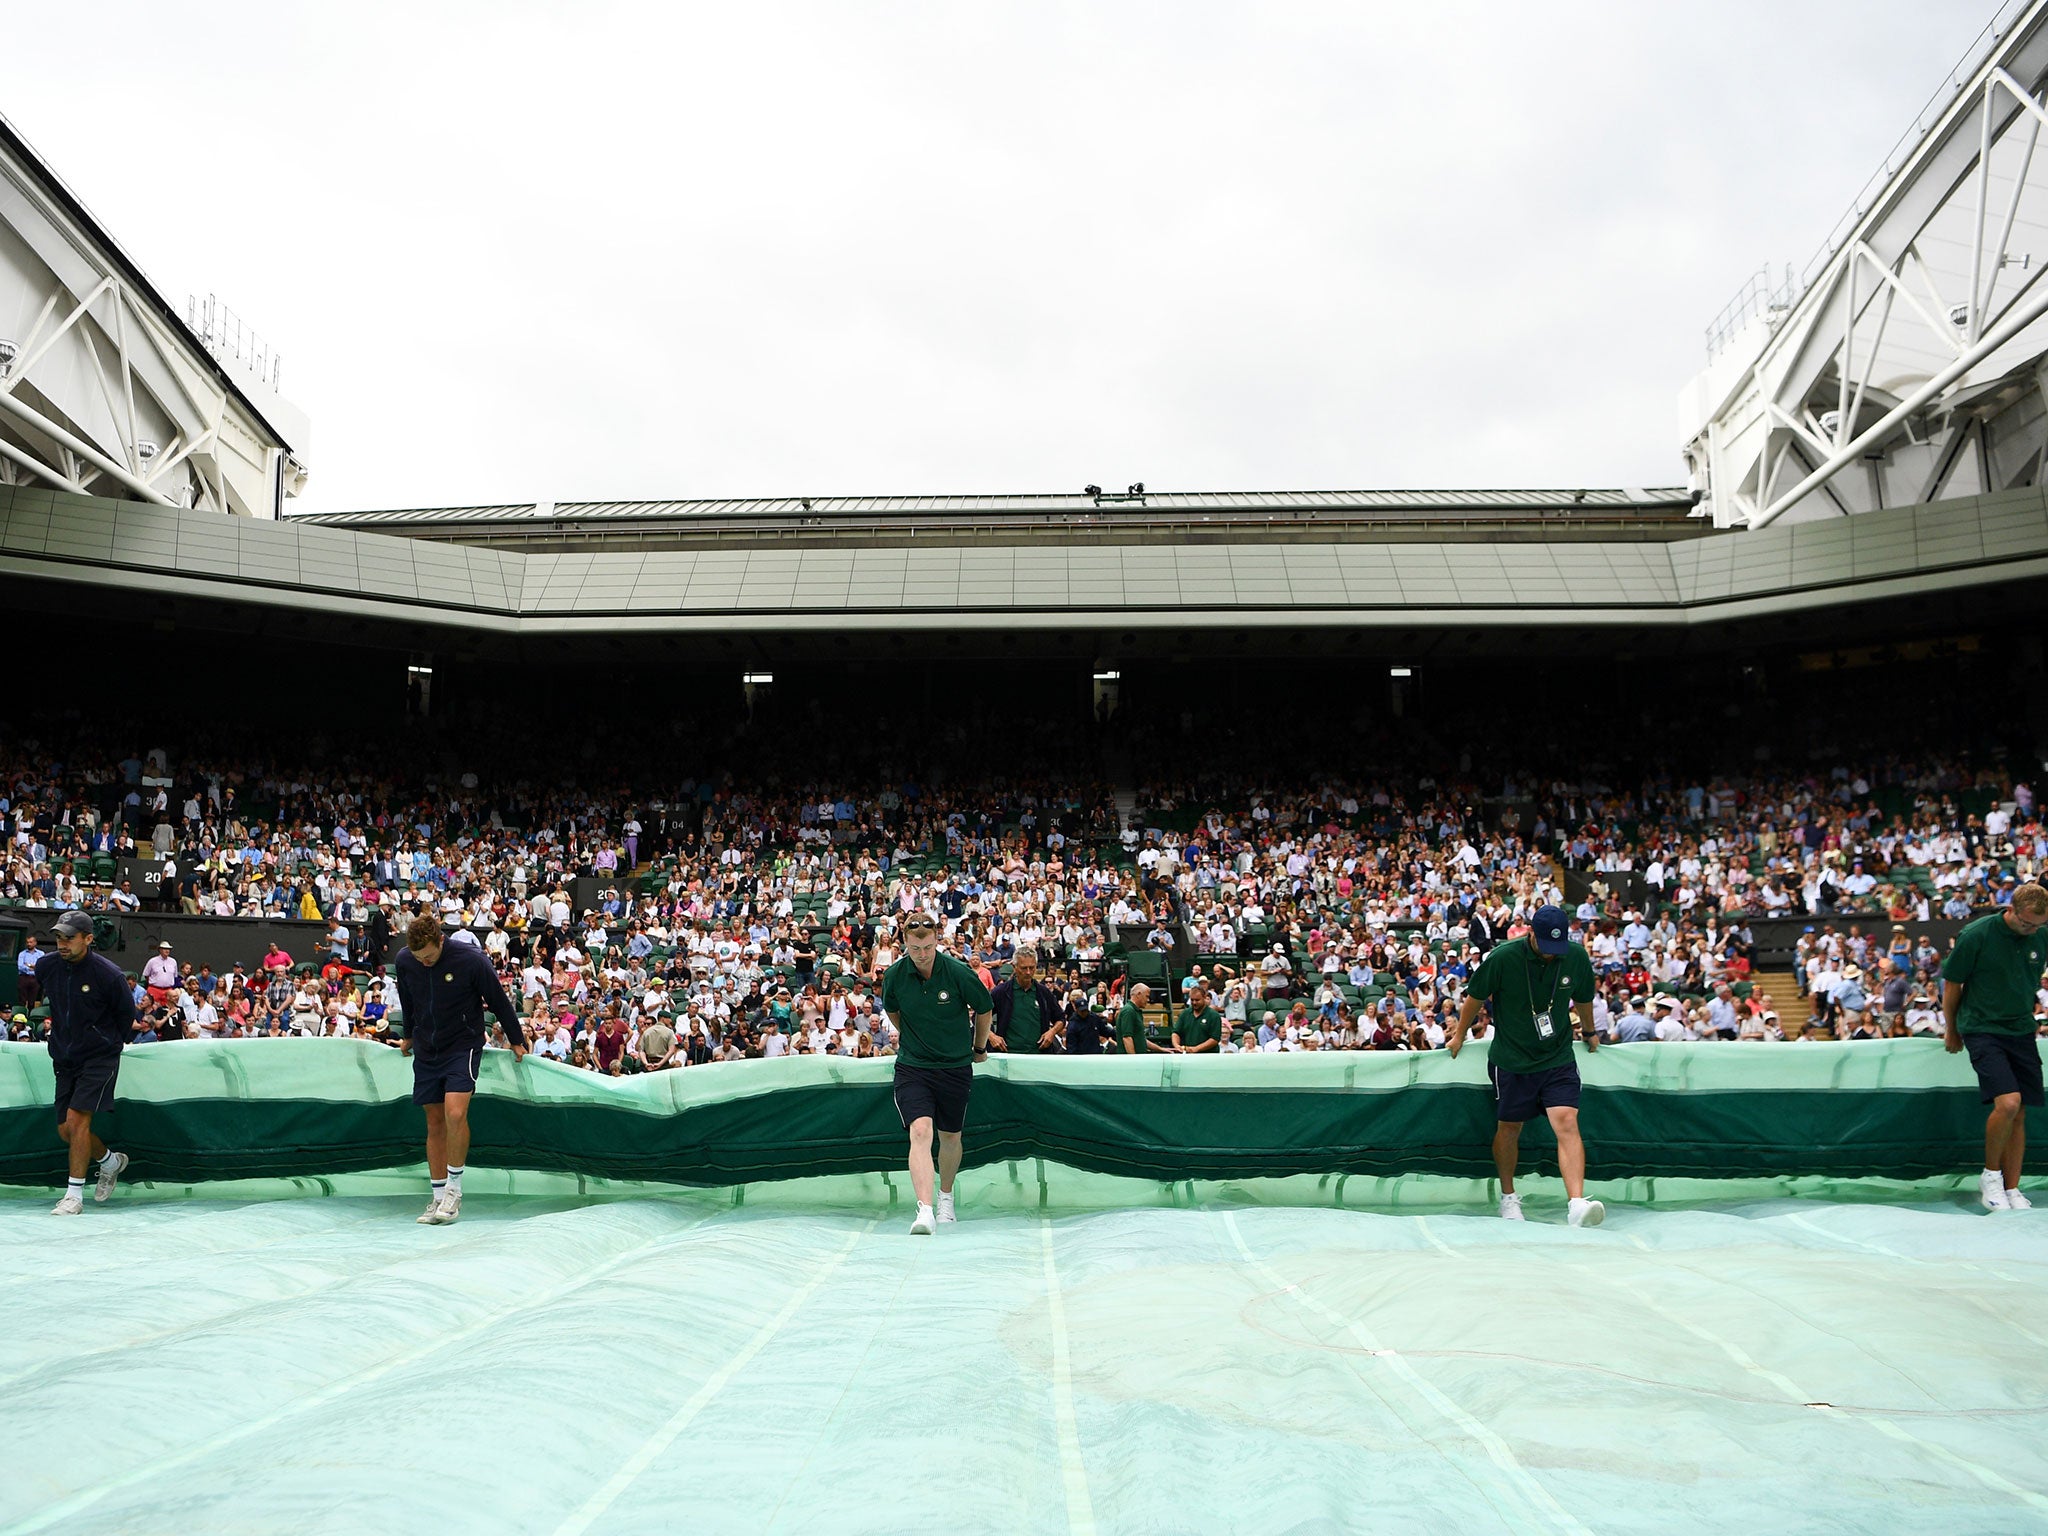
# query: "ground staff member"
[[1989, 985], [1026, 1010], [1131, 1035], [1537, 986], [92, 1016], [1200, 1027], [941, 1014], [443, 989]]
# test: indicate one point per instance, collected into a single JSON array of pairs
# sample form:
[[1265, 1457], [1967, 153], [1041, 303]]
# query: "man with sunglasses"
[[942, 1015], [1989, 984]]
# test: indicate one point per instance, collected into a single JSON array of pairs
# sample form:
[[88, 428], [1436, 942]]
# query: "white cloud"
[[513, 251]]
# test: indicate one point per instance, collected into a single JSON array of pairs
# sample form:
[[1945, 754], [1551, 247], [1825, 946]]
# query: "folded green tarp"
[[187, 1111]]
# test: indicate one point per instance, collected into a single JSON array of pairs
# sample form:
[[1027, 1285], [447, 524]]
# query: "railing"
[[1756, 297], [223, 334]]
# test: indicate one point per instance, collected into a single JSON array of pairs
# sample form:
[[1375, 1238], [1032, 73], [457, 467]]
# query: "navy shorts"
[[2006, 1064], [938, 1094], [86, 1086], [435, 1077], [1520, 1096]]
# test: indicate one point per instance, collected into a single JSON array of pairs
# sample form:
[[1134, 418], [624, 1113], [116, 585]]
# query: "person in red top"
[[611, 1042]]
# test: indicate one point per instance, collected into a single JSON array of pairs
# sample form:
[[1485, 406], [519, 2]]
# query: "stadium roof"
[[1083, 517], [24, 153], [1443, 502]]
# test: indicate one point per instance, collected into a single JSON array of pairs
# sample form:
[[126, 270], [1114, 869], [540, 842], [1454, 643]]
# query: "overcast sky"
[[520, 251]]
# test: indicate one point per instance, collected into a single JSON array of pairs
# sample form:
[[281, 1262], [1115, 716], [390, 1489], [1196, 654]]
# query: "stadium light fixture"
[[8, 353], [757, 679], [1400, 671], [416, 671], [1091, 490], [1108, 677]]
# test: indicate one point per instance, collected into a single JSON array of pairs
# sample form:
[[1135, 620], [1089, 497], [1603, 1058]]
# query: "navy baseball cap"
[[73, 925], [1552, 930]]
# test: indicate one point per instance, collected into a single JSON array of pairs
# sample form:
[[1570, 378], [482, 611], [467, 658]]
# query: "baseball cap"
[[1550, 929], [73, 925]]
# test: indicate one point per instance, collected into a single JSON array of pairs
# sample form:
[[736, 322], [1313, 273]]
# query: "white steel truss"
[[102, 389], [1914, 366]]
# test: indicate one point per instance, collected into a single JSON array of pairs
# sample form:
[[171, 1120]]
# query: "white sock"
[[455, 1182], [1993, 1173], [75, 1188], [440, 1187], [108, 1158], [923, 1209]]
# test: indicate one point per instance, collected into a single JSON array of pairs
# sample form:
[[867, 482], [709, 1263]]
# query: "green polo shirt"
[[1195, 1027], [936, 1016], [1025, 1025], [1520, 984], [1130, 1025], [1999, 971]]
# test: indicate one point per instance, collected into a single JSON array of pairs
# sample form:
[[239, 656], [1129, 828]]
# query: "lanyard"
[[1556, 976]]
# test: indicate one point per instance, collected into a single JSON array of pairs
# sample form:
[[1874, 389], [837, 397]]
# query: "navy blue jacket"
[[92, 1007], [444, 1006]]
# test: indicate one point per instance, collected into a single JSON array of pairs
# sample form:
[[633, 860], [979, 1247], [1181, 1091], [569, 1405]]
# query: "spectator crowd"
[[743, 916]]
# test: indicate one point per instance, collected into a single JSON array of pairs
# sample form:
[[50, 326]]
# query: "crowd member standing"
[[444, 988], [1989, 984], [1528, 981], [92, 1016]]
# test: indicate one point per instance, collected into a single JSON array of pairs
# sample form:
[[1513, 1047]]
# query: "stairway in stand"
[[1784, 993]]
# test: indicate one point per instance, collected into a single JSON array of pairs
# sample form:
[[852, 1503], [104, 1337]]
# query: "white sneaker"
[[925, 1223], [1586, 1213], [436, 1212], [1991, 1186], [946, 1207], [110, 1170], [1511, 1208], [451, 1208], [70, 1205], [2015, 1201]]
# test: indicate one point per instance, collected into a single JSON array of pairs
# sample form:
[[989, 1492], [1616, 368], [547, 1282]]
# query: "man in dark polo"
[[1027, 1011], [941, 1014], [92, 1016], [1989, 983], [1199, 1029]]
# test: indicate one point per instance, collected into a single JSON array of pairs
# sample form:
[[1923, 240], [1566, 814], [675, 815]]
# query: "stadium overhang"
[[1911, 565]]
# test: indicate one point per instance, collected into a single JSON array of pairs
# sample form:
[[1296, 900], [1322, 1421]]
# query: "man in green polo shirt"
[[1537, 985], [940, 1011], [1200, 1027], [1990, 983], [1131, 1036], [1027, 1011]]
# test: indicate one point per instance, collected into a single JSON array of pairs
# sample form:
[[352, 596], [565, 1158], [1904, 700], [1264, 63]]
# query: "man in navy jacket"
[[443, 989], [92, 1015], [1028, 1015]]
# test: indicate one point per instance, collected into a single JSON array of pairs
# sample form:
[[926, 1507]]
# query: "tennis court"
[[1084, 1351], [1131, 1356]]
